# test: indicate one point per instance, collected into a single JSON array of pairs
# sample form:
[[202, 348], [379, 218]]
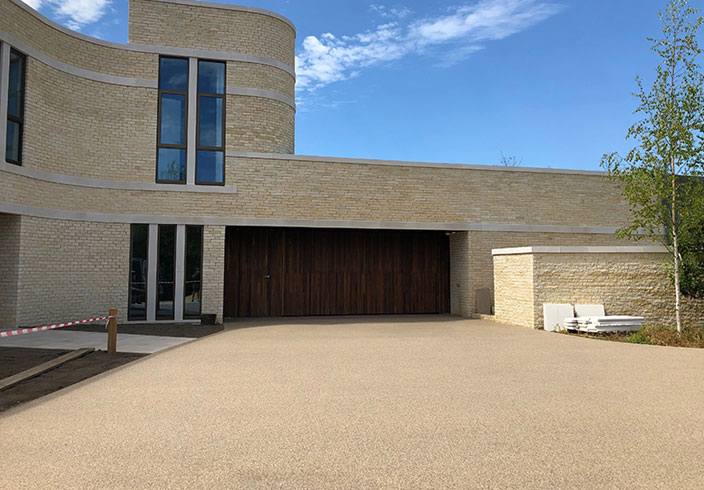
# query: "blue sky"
[[546, 81]]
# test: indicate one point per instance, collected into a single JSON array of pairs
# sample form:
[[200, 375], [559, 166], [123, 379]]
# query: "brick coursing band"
[[11, 208]]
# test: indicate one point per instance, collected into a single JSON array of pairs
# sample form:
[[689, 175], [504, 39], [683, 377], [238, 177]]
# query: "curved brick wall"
[[213, 27], [88, 128], [77, 124]]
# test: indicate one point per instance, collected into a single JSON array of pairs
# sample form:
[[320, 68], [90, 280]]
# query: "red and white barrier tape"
[[12, 333]]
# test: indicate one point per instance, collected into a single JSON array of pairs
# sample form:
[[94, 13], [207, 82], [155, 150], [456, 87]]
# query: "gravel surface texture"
[[400, 402]]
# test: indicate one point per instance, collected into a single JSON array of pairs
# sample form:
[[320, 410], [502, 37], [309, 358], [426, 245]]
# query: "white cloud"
[[394, 12], [75, 13], [327, 59], [485, 21]]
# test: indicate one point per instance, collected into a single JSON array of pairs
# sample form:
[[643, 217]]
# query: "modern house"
[[159, 177]]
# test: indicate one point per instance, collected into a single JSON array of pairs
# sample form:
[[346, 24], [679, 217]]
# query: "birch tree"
[[660, 177]]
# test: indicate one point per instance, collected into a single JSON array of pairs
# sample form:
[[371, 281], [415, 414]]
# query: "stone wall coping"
[[400, 163], [260, 92], [169, 50], [657, 249]]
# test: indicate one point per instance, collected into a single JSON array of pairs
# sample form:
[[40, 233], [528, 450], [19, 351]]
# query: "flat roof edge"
[[581, 250], [401, 163]]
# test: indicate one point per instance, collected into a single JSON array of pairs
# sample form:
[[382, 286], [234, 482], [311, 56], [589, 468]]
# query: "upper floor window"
[[210, 155], [173, 110], [15, 107]]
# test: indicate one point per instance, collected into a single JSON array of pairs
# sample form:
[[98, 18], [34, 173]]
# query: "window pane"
[[209, 167], [211, 77], [165, 274], [194, 247], [14, 100], [210, 119], [12, 144], [138, 273], [173, 119], [174, 74], [172, 164]]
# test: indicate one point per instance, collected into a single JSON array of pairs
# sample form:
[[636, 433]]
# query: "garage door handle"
[[267, 277]]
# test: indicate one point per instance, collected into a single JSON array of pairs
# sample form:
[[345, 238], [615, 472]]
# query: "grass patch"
[[650, 335]]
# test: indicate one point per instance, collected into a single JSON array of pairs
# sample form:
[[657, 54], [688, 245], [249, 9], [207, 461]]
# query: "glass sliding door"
[[139, 245], [166, 272], [193, 267]]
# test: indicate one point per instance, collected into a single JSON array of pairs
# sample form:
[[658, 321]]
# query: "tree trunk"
[[675, 241], [676, 251]]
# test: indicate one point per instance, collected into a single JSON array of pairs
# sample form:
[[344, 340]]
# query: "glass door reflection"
[[165, 272]]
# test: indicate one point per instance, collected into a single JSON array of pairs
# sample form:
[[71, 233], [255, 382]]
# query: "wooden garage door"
[[286, 272]]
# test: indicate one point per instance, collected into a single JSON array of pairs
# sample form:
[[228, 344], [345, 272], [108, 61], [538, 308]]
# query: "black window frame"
[[220, 149], [159, 145], [18, 120]]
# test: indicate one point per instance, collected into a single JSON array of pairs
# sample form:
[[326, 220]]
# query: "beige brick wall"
[[255, 75], [256, 124], [625, 283], [343, 191], [513, 289], [85, 128], [71, 270], [213, 270], [218, 29], [461, 280], [80, 127], [9, 268]]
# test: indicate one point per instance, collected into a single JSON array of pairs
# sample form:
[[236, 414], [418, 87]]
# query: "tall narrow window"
[[165, 272], [15, 108], [139, 244], [210, 155], [194, 259], [173, 110]]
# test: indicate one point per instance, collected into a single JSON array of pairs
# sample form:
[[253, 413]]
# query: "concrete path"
[[432, 402], [70, 339]]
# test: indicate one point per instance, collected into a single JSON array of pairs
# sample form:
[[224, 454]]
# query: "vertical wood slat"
[[335, 272]]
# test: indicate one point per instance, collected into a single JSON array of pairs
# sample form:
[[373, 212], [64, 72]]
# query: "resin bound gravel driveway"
[[402, 402]]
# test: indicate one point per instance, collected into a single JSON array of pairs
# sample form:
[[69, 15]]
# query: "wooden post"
[[112, 331]]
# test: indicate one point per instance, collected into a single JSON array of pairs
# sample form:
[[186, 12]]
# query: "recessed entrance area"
[[303, 272]]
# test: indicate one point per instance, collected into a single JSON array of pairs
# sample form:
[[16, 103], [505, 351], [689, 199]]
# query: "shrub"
[[639, 337], [651, 335], [690, 337]]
